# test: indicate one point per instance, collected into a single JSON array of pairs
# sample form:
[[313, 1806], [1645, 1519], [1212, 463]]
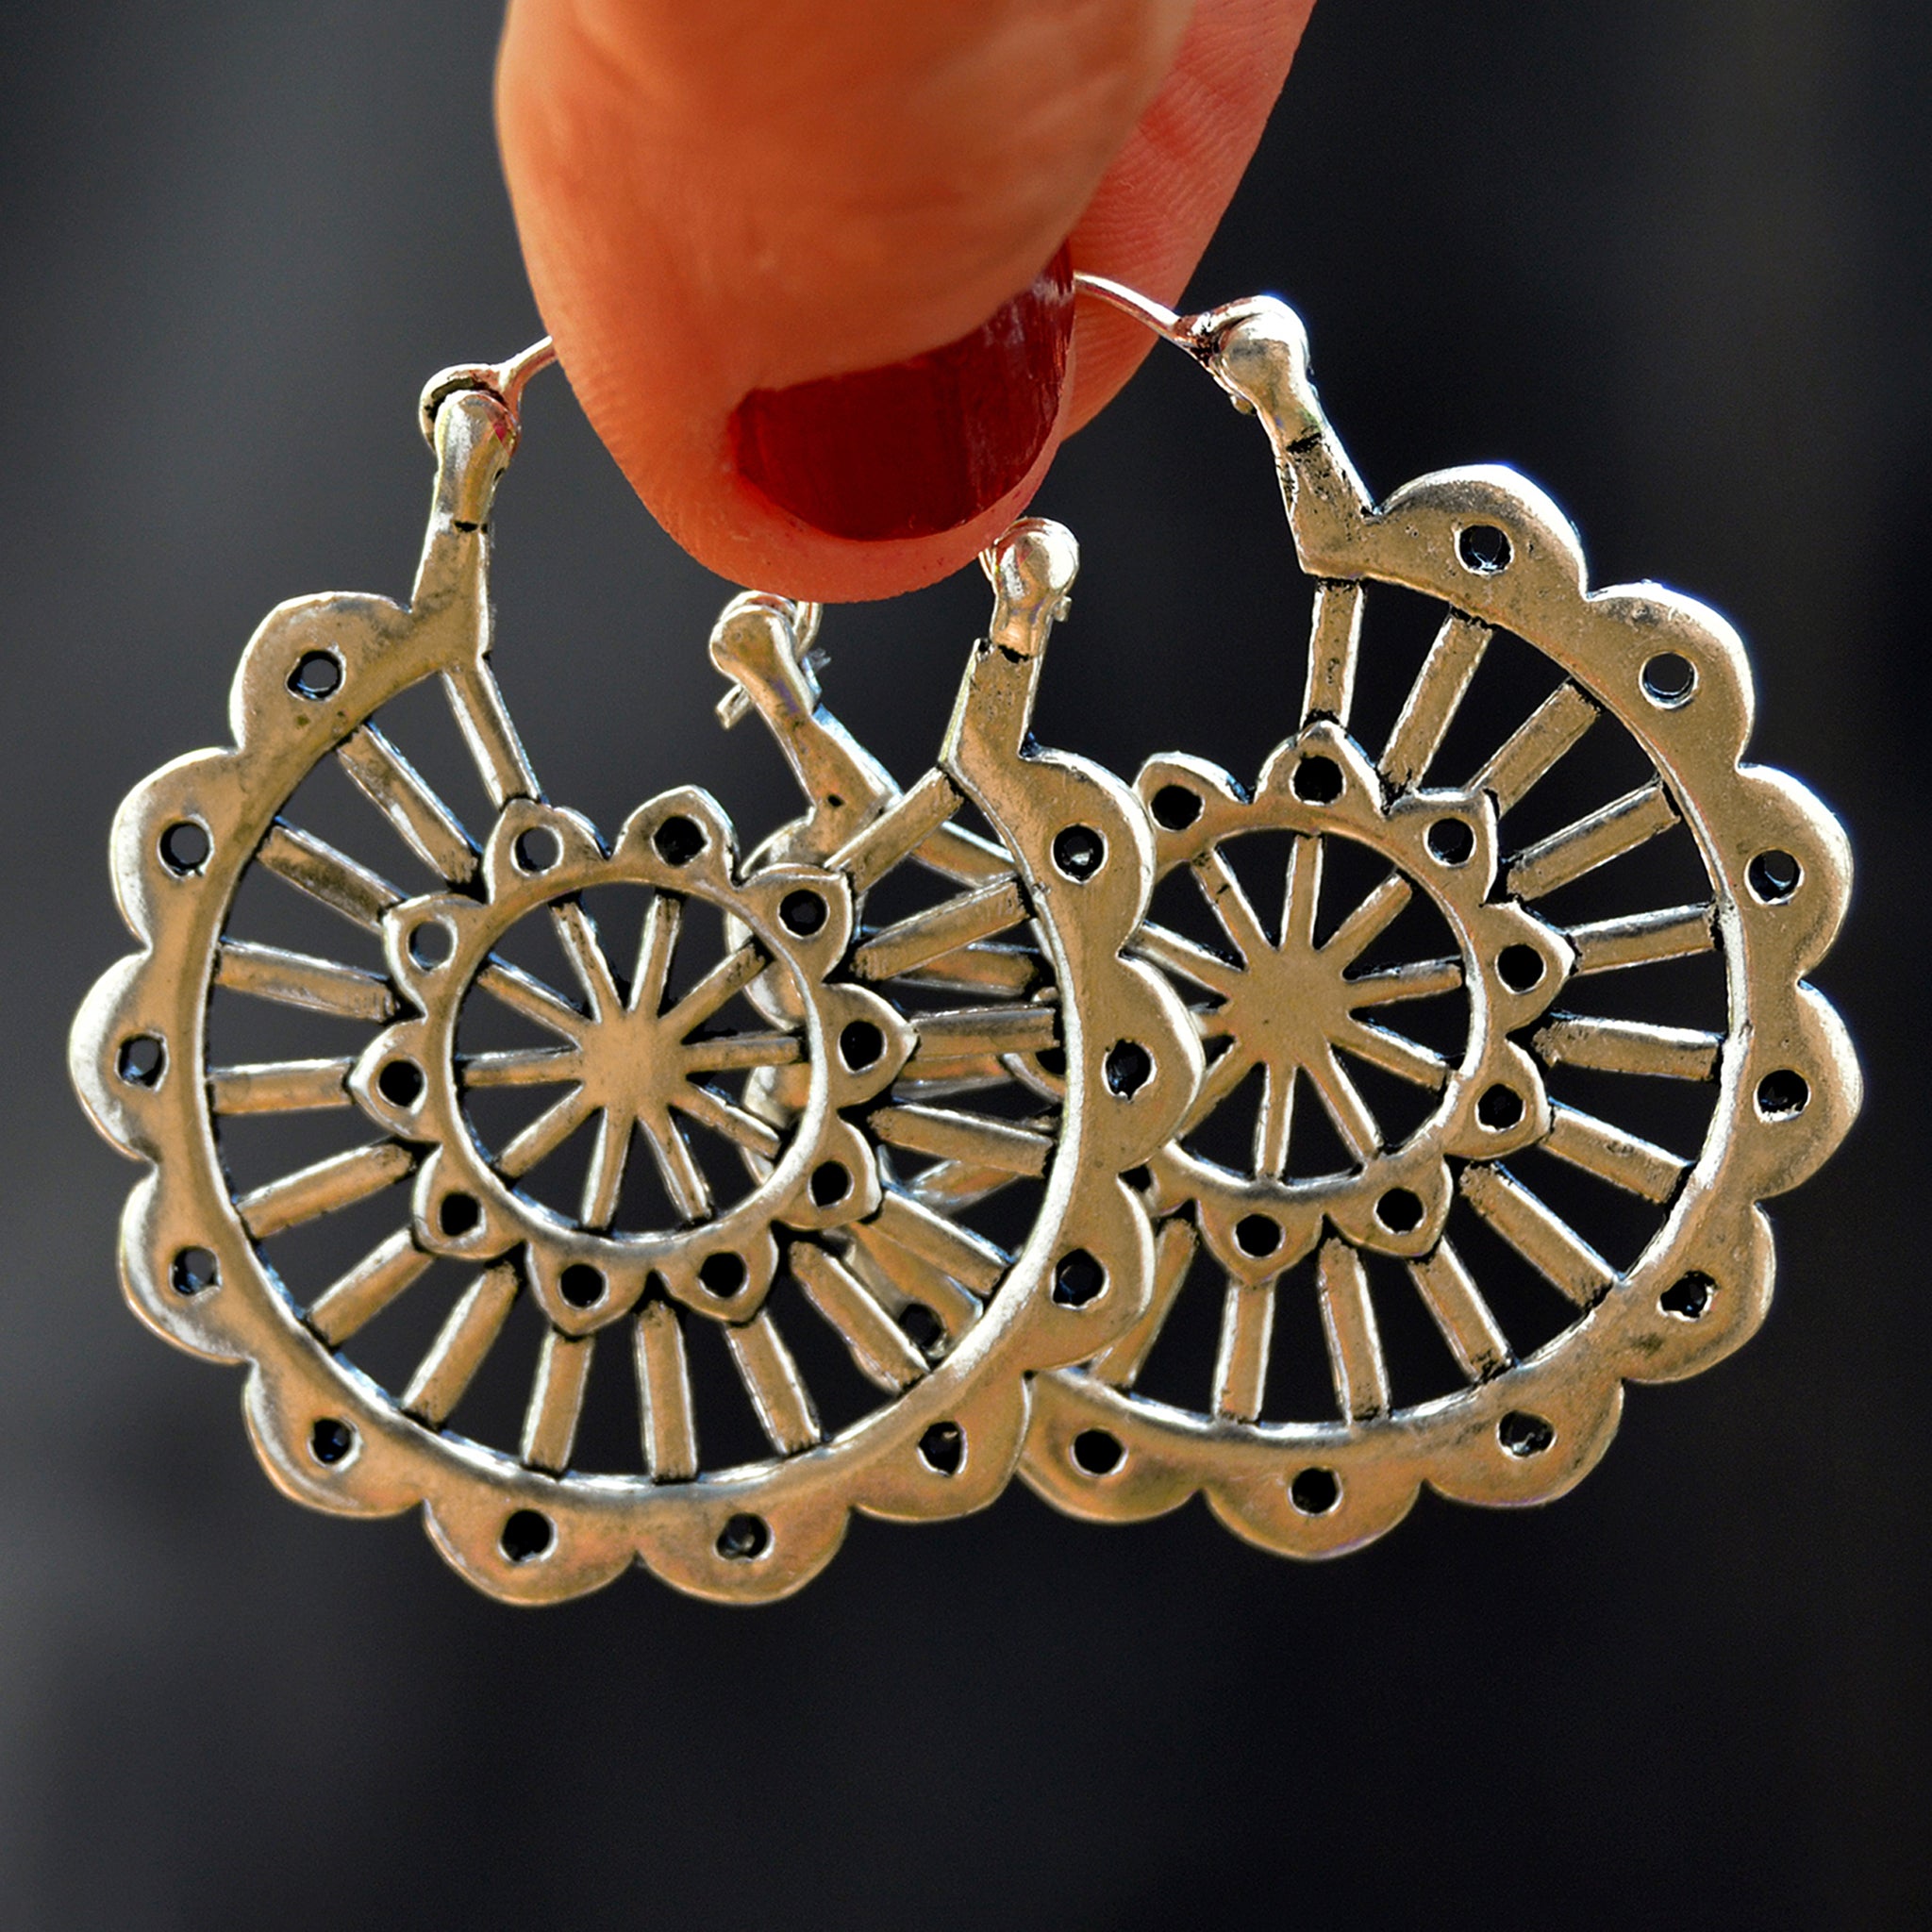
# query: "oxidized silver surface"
[[797, 1033], [1559, 1024]]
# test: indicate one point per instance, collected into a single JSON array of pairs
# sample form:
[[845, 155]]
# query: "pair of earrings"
[[935, 1095]]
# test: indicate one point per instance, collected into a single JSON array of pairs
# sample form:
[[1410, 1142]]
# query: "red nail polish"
[[918, 446]]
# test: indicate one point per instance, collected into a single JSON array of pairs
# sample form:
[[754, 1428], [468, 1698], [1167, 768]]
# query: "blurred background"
[[1673, 261]]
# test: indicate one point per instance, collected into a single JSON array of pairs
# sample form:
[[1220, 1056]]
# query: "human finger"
[[792, 255]]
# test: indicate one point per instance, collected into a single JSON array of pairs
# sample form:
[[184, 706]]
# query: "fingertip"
[[724, 292], [745, 536]]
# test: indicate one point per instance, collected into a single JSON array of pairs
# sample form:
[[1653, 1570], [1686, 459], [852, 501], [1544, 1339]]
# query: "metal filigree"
[[751, 1103], [1318, 1218]]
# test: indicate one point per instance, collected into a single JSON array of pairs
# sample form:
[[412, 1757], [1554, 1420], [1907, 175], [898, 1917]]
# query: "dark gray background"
[[1673, 259]]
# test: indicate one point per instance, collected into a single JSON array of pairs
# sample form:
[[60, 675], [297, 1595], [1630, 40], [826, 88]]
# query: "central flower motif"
[[1289, 1004], [1305, 1010], [632, 1060], [633, 1065]]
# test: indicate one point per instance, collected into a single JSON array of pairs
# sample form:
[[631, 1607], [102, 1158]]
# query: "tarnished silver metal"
[[833, 1080], [1552, 1013], [827, 1170]]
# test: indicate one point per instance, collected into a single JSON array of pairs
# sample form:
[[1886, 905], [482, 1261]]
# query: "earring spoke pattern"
[[1445, 1121], [1322, 1213], [644, 1084]]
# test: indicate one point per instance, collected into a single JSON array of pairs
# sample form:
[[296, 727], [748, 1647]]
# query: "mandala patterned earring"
[[644, 1099], [1438, 1005]]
